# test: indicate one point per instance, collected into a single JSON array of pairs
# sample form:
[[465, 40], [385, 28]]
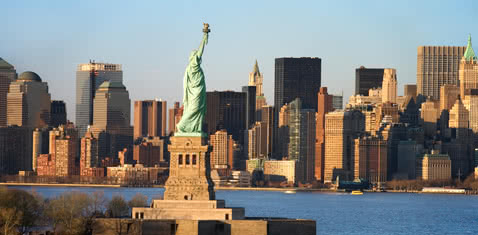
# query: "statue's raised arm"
[[206, 31]]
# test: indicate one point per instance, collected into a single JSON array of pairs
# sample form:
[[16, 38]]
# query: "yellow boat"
[[357, 192]]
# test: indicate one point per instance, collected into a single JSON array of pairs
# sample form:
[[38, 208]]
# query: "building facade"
[[434, 166], [58, 113], [341, 128], [151, 151], [28, 102], [437, 66], [251, 110], [370, 159], [15, 149], [224, 150], [302, 140], [468, 71], [111, 123], [227, 110], [89, 77], [175, 114], [258, 141], [297, 78], [149, 118], [256, 79], [62, 155], [366, 79], [8, 74], [280, 170], [389, 86], [324, 106]]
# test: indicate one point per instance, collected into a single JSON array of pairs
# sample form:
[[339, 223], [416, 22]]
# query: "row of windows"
[[187, 160]]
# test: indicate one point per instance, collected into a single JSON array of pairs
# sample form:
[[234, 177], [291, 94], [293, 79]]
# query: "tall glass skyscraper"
[[88, 79]]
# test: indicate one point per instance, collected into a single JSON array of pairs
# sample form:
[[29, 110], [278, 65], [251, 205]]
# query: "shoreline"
[[292, 190], [62, 185]]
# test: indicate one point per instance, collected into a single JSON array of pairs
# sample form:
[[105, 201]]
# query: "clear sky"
[[153, 39]]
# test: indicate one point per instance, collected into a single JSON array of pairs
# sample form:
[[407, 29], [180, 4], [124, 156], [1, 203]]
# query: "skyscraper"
[[28, 102], [7, 75], [389, 86], [89, 77], [297, 78], [111, 123], [468, 72], [149, 118], [341, 128], [227, 110], [302, 139], [250, 105], [255, 79], [267, 117], [366, 79], [324, 106], [437, 66]]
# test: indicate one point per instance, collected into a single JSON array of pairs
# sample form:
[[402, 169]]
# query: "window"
[[227, 216], [180, 159], [141, 215], [194, 159], [137, 215], [187, 159]]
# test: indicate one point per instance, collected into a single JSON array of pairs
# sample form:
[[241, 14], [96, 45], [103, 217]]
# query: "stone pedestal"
[[189, 170]]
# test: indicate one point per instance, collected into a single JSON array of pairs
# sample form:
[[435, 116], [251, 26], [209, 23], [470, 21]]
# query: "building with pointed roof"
[[256, 79], [469, 53], [7, 75], [468, 73]]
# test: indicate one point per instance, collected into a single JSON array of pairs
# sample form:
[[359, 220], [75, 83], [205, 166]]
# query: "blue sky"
[[153, 39]]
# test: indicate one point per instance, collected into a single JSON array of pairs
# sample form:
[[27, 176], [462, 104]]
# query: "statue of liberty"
[[194, 99]]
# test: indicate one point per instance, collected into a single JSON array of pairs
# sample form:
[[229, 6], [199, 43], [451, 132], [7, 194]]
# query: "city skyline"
[[53, 46]]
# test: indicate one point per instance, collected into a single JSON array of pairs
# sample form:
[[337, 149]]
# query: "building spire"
[[469, 53], [256, 69]]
